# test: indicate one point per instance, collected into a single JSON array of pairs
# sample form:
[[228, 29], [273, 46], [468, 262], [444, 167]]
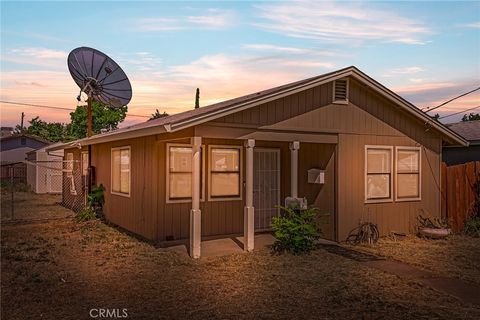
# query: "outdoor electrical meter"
[[316, 176]]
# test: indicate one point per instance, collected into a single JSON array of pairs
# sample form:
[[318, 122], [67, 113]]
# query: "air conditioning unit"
[[300, 203]]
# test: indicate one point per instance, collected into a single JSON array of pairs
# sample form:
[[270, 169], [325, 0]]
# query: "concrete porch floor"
[[226, 246]]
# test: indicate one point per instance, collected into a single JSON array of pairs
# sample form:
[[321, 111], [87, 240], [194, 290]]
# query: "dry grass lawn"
[[62, 269], [455, 257], [29, 205]]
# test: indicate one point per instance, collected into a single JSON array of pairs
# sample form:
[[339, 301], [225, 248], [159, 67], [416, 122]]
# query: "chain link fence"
[[42, 190]]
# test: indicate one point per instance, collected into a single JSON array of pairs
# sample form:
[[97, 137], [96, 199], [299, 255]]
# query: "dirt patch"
[[457, 257], [32, 206], [62, 269]]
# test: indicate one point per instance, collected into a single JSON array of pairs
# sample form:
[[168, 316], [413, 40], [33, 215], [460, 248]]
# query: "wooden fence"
[[457, 192]]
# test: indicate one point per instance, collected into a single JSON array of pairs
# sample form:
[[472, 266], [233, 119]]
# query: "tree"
[[54, 131], [103, 118], [470, 117], [197, 99], [157, 115], [435, 117]]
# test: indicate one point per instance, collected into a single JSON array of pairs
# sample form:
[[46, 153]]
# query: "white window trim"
[[167, 174], [81, 158], [127, 195], [240, 162], [348, 92], [419, 149], [365, 173]]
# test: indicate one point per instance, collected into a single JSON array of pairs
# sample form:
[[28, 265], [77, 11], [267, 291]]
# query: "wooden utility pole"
[[89, 130], [21, 122]]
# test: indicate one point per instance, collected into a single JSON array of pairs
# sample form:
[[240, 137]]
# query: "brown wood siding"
[[284, 108], [137, 213], [390, 216], [321, 196]]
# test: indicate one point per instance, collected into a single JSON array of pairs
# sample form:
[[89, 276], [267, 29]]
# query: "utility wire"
[[441, 105], [459, 112], [57, 108]]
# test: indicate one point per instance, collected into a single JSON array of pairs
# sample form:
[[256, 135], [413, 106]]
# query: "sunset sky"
[[427, 52]]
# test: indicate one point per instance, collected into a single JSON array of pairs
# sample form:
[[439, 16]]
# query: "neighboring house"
[[14, 148], [470, 130], [350, 146], [6, 131], [44, 170]]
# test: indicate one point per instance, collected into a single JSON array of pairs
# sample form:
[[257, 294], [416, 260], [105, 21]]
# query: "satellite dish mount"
[[100, 78]]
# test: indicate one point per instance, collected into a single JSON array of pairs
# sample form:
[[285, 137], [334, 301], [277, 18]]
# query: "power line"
[[57, 108], [441, 105], [459, 112]]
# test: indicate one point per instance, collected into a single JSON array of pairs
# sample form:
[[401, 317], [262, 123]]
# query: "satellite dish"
[[99, 77]]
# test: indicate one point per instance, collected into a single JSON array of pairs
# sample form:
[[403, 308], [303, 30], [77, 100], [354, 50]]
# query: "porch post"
[[249, 211], [195, 214], [294, 146]]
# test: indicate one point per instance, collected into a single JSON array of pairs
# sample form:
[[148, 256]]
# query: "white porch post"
[[249, 211], [195, 214], [294, 146]]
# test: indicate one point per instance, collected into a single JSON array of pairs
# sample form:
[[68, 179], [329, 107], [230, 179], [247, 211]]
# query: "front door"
[[266, 186]]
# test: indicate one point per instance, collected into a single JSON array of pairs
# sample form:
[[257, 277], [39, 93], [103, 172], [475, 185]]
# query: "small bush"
[[96, 198], [472, 227], [295, 230], [86, 214]]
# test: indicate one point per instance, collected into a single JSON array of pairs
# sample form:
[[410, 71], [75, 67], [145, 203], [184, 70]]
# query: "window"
[[23, 141], [378, 170], [121, 171], [408, 173], [69, 164], [179, 173], [224, 165], [84, 163]]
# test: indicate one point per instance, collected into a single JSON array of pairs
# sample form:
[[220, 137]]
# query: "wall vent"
[[340, 91]]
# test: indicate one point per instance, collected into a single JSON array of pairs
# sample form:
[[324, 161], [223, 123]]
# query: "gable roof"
[[25, 135], [208, 113], [470, 130]]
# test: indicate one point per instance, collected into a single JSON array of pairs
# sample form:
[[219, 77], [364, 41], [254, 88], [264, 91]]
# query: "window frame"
[[240, 173], [127, 195], [406, 148], [365, 175], [167, 174]]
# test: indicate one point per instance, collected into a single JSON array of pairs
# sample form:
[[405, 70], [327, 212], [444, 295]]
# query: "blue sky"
[[427, 52]]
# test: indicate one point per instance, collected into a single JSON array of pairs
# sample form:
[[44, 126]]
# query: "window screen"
[[225, 172], [379, 173], [121, 170], [408, 173]]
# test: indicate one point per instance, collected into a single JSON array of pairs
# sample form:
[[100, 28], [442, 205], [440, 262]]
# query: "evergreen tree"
[[197, 99]]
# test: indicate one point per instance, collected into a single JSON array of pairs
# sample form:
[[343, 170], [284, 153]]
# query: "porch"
[[272, 170]]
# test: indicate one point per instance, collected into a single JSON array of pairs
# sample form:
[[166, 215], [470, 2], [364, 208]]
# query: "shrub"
[[295, 230], [472, 227], [86, 214], [96, 199]]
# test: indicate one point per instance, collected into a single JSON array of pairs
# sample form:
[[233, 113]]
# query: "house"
[[14, 148], [345, 143], [469, 130], [6, 131], [13, 152], [44, 170]]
